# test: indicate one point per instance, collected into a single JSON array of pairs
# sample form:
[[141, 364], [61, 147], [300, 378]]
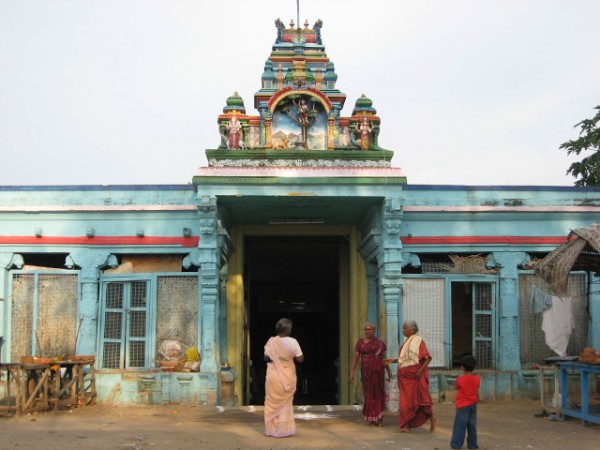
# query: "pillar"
[[390, 270], [209, 284], [90, 262], [508, 348]]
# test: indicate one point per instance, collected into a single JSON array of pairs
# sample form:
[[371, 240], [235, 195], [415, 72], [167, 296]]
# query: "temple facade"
[[300, 214]]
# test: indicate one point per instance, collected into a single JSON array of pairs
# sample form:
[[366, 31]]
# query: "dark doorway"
[[297, 278], [462, 321]]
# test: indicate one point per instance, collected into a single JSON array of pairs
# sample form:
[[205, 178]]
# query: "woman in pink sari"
[[280, 353], [413, 381], [371, 352]]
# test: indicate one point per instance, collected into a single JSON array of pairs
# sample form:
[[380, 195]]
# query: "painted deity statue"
[[317, 29], [302, 112], [234, 133], [302, 116], [280, 30], [364, 129]]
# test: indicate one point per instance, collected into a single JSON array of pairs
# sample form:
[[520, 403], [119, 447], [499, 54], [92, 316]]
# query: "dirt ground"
[[510, 425]]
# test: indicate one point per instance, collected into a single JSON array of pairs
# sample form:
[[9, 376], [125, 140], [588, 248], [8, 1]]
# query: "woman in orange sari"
[[371, 352], [280, 353], [413, 381]]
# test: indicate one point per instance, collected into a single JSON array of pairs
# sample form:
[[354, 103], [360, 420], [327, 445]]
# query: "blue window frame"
[[125, 325]]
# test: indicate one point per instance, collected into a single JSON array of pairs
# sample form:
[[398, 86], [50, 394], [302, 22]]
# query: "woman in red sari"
[[280, 385], [371, 352], [413, 381]]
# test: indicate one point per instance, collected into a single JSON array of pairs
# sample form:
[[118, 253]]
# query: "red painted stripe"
[[457, 240], [182, 241], [194, 240]]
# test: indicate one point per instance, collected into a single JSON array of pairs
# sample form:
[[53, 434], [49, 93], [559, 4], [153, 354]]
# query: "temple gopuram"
[[299, 109], [299, 213]]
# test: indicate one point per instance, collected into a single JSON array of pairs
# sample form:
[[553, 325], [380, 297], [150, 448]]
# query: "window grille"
[[423, 301], [533, 343], [43, 314], [125, 325], [484, 330]]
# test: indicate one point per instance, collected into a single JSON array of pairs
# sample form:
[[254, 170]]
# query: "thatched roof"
[[581, 251]]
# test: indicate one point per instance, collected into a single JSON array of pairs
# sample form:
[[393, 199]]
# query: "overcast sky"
[[476, 92]]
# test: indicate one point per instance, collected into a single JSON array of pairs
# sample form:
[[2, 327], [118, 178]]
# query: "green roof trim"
[[270, 154]]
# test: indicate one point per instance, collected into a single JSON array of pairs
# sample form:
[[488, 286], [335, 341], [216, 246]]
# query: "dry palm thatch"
[[581, 251], [469, 264]]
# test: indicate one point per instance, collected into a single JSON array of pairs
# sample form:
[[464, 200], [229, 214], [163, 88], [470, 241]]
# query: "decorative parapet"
[[297, 163]]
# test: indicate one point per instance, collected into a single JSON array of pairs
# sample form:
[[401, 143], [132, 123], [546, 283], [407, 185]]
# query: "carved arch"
[[288, 91]]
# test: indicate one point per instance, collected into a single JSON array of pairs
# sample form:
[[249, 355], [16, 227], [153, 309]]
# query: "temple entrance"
[[298, 278]]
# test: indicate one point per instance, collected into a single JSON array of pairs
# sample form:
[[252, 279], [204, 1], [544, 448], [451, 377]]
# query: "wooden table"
[[51, 385], [70, 387], [35, 387], [13, 375]]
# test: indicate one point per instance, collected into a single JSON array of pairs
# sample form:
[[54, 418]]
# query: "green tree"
[[587, 171]]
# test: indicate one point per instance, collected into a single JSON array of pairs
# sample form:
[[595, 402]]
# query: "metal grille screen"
[[113, 325], [110, 355], [177, 309], [137, 324], [137, 354], [533, 343], [23, 287], [484, 330], [423, 302], [125, 325], [53, 304]]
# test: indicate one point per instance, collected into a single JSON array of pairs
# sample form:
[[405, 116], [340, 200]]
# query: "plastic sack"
[[171, 350], [392, 395]]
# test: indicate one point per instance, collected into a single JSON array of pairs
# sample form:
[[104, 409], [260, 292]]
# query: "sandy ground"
[[510, 425]]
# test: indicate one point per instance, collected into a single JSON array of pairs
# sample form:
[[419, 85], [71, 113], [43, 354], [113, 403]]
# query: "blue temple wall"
[[163, 211], [509, 196]]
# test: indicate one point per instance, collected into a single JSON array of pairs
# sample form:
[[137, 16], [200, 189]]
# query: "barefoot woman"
[[280, 385], [413, 381], [371, 352]]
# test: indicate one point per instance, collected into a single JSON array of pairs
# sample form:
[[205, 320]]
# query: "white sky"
[[477, 92]]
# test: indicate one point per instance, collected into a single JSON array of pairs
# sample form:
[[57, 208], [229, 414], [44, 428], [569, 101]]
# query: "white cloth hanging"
[[557, 324]]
